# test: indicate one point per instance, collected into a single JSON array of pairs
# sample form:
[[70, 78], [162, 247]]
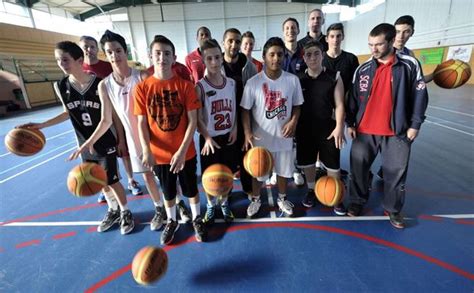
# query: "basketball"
[[24, 141], [86, 179], [217, 180], [258, 162], [329, 191], [452, 74], [149, 265]]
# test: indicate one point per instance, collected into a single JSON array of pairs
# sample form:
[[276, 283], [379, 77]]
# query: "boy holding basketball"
[[79, 94], [166, 106], [317, 132], [385, 111], [216, 121], [270, 111]]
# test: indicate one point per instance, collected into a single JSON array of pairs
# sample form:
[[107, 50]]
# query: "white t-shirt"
[[271, 103], [218, 106], [123, 102]]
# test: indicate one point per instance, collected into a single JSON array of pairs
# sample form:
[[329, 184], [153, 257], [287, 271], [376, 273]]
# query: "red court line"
[[64, 235], [465, 222], [91, 229], [28, 243], [362, 236], [431, 218]]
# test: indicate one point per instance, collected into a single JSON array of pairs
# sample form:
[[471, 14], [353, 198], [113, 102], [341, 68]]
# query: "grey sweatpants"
[[395, 152]]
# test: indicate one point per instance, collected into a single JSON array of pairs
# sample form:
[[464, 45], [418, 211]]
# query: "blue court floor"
[[49, 243]]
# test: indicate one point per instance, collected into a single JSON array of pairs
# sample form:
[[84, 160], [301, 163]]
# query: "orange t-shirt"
[[166, 103]]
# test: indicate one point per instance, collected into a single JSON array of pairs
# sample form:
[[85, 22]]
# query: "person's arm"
[[148, 159], [352, 106], [419, 94], [104, 124], [179, 158], [247, 130], [209, 144], [289, 128], [338, 132]]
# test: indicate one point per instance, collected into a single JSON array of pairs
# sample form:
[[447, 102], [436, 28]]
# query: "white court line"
[[36, 158], [37, 165], [450, 122], [452, 128], [452, 111], [260, 220], [48, 138]]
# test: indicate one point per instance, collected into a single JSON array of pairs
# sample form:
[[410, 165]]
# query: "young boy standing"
[[317, 132], [166, 106], [217, 122], [271, 108], [81, 103]]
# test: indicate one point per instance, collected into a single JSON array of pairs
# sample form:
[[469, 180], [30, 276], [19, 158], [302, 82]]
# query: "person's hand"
[[85, 146], [148, 160], [248, 142], [30, 125], [289, 129], [338, 134], [412, 133], [177, 162], [351, 131], [122, 149], [209, 146], [232, 136]]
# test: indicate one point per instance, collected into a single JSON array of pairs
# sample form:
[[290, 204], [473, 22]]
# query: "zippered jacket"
[[409, 94]]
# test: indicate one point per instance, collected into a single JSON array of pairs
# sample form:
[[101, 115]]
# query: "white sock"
[[158, 204], [318, 164], [310, 185], [281, 195], [212, 201], [178, 198], [124, 207], [195, 210], [171, 212], [224, 200], [111, 202]]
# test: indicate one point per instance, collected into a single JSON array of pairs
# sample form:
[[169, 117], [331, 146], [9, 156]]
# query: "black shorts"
[[227, 154], [109, 163], [313, 140], [187, 179]]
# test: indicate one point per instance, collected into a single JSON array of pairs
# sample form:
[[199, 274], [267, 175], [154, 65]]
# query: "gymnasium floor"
[[48, 241]]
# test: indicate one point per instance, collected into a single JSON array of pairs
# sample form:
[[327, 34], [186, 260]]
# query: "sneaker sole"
[[138, 193], [157, 227], [128, 230], [341, 213], [105, 230], [307, 205]]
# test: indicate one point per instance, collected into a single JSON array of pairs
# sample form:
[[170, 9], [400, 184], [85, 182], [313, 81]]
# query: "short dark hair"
[[230, 30], [335, 27], [248, 34], [203, 28], [88, 38], [209, 44], [313, 43], [109, 36], [385, 29], [291, 19], [162, 40], [71, 48], [273, 41], [406, 19]]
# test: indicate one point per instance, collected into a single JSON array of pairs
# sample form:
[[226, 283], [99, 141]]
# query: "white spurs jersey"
[[123, 102], [218, 106]]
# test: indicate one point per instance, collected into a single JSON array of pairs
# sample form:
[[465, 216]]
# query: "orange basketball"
[[86, 179], [258, 161], [329, 190], [149, 265], [452, 74], [24, 141], [217, 180]]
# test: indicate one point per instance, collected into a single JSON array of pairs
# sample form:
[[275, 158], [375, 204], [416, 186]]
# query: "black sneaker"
[[309, 199], [344, 173], [354, 210], [168, 233], [227, 213], [126, 222], [110, 219], [340, 209], [396, 219], [158, 219], [200, 231], [184, 213]]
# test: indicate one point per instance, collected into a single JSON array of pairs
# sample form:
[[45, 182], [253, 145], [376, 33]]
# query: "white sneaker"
[[298, 178], [254, 207], [273, 179], [285, 206]]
